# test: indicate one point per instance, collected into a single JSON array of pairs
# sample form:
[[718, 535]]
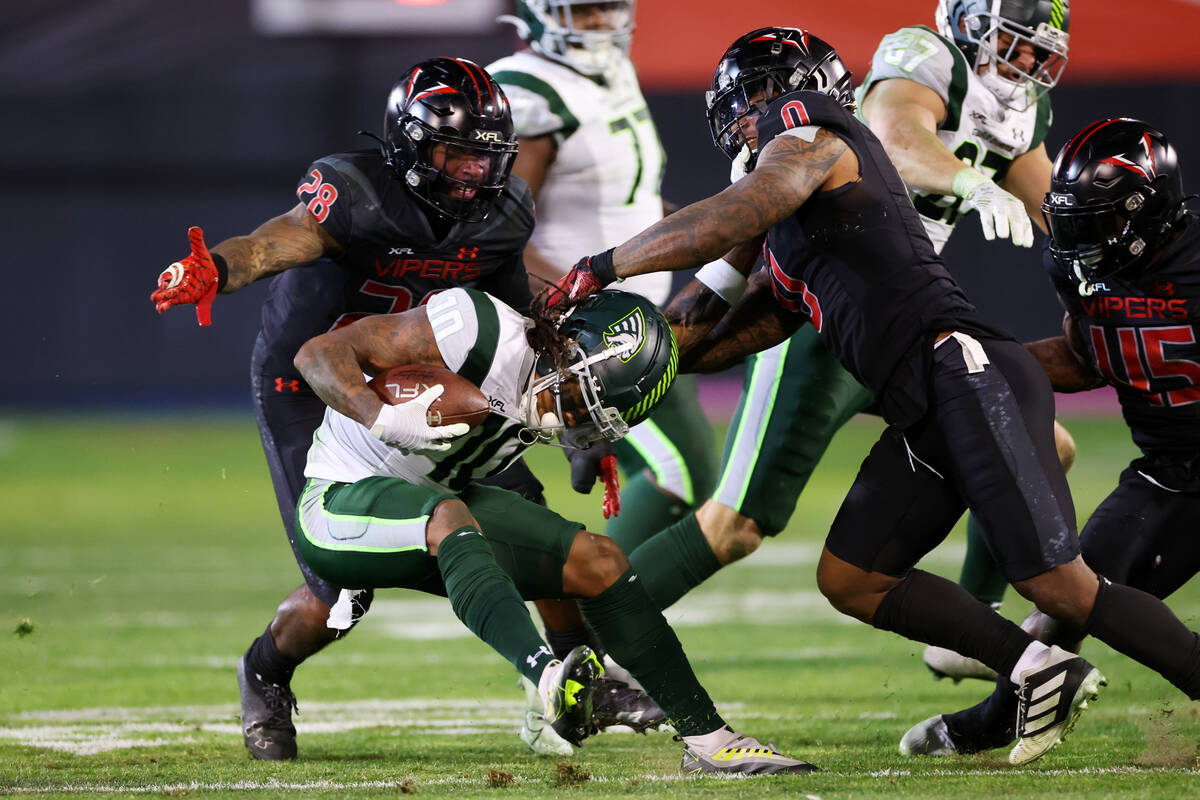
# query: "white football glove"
[[407, 427], [1000, 213]]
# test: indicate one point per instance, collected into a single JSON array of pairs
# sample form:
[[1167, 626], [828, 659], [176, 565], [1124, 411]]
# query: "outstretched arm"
[[696, 308], [755, 324], [789, 171], [289, 240], [333, 363]]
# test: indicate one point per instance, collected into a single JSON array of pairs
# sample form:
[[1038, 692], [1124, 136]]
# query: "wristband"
[[602, 267], [966, 180], [222, 270], [725, 281]]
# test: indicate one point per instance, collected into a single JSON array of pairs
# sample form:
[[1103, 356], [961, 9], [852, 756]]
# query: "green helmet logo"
[[628, 334]]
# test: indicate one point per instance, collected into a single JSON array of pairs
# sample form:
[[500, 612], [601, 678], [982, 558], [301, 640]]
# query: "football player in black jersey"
[[1124, 255], [432, 208], [970, 411]]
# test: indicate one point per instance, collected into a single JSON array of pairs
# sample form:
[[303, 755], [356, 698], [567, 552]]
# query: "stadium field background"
[[141, 554]]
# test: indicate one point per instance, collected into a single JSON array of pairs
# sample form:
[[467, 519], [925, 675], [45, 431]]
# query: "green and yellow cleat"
[[567, 687]]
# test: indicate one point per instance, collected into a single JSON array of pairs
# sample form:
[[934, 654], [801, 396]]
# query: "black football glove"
[[598, 462]]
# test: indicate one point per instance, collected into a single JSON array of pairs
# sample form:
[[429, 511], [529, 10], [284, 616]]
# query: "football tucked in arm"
[[460, 402]]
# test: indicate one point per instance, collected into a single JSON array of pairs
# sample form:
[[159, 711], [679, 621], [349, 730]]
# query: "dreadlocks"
[[547, 313]]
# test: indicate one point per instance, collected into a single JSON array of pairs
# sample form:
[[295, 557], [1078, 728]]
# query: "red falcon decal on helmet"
[[1125, 163], [1146, 145]]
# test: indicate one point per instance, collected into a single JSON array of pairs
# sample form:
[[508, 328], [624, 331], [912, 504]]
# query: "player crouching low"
[[391, 502]]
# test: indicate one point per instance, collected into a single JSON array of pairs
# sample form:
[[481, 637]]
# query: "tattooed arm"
[[789, 171], [286, 241], [333, 363], [755, 324], [1064, 360], [696, 308]]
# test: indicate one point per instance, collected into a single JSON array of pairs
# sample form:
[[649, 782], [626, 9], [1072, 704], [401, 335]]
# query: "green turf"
[[140, 558]]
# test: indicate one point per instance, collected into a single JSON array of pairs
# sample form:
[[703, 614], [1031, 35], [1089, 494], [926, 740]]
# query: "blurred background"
[[126, 121]]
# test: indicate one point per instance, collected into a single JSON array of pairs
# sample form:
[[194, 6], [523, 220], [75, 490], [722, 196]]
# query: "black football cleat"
[[615, 702], [266, 716]]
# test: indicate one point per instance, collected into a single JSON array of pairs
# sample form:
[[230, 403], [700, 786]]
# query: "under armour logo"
[[292, 385], [468, 252], [1164, 287], [532, 659]]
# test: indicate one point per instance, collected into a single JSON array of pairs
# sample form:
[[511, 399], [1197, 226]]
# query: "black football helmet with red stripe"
[[1116, 196], [446, 111], [762, 65]]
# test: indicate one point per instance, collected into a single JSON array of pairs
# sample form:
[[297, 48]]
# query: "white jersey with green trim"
[[481, 339], [978, 128], [605, 184]]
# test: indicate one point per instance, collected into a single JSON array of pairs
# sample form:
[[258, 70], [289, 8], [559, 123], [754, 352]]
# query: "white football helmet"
[[977, 26], [589, 37]]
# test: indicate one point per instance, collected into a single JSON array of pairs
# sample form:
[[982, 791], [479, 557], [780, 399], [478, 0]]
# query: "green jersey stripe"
[[466, 470], [483, 352], [471, 443], [546, 91], [1041, 123], [957, 93]]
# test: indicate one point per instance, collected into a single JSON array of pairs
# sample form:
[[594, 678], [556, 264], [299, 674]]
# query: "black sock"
[[563, 642], [264, 659], [988, 724], [1141, 626], [936, 611]]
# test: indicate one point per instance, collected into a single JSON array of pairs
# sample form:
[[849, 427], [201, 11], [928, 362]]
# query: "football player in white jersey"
[[593, 160], [963, 114], [392, 501]]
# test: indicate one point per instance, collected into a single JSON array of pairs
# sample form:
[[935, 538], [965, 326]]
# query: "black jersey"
[[1143, 336], [392, 259], [857, 261]]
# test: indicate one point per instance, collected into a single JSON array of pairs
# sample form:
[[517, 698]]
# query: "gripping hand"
[[587, 277], [590, 464], [1000, 213], [195, 279], [407, 427]]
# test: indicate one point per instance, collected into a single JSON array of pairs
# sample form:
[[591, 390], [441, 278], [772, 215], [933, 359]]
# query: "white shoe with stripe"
[[1049, 701]]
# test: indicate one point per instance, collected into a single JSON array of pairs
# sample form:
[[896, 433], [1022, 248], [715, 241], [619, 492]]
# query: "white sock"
[[708, 743], [1033, 656]]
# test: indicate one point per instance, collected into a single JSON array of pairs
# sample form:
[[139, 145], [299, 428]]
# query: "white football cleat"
[[944, 663], [536, 731], [1049, 701], [928, 738]]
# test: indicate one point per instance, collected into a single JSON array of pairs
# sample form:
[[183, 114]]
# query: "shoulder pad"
[[799, 109]]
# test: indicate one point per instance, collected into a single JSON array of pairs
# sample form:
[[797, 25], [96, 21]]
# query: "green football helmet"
[[623, 357]]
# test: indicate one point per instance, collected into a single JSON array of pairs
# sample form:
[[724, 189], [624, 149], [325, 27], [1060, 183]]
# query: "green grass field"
[[139, 559]]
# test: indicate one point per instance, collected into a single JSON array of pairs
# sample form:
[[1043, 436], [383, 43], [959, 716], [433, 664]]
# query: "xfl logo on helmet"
[[487, 136], [1061, 199]]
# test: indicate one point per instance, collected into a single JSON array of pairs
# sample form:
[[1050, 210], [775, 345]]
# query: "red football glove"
[[195, 279], [612, 486], [594, 463], [587, 277]]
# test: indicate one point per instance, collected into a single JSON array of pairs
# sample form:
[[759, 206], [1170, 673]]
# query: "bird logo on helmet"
[[448, 111], [591, 38], [991, 34], [623, 357], [1116, 197], [762, 65]]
